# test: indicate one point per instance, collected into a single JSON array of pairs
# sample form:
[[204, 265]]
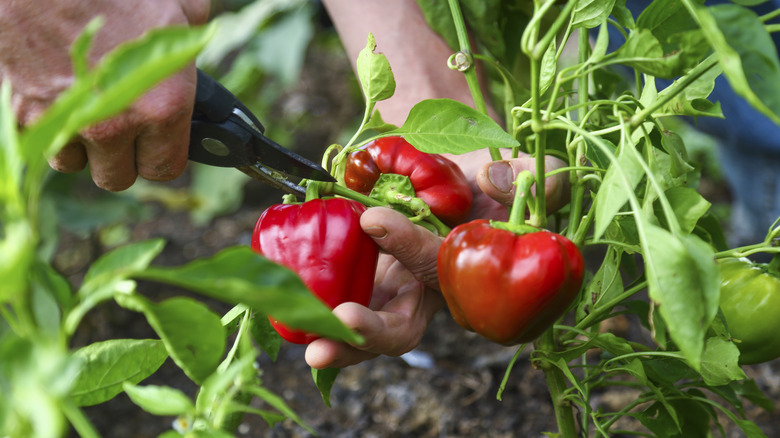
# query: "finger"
[[496, 179], [196, 11], [325, 353], [110, 151], [70, 159], [165, 114], [414, 246], [393, 331]]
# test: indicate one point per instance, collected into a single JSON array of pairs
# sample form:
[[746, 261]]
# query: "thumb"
[[413, 246], [496, 179]]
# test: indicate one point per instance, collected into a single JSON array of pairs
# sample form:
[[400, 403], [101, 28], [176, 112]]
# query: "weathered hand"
[[149, 139]]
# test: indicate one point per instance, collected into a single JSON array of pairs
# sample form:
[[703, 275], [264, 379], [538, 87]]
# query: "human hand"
[[406, 290], [151, 138]]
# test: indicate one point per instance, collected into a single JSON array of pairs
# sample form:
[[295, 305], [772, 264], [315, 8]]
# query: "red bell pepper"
[[505, 286], [321, 240], [436, 180]]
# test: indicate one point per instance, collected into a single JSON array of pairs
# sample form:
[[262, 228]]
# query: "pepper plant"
[[633, 194]]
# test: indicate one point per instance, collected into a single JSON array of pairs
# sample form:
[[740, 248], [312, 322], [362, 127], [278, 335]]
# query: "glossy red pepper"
[[508, 287], [436, 180], [321, 240]]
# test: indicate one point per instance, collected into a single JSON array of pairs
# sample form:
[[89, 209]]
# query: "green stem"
[[563, 17], [509, 367], [598, 313], [468, 66], [770, 15], [584, 226], [78, 420], [673, 90], [539, 215], [523, 183], [556, 384], [335, 189], [772, 28]]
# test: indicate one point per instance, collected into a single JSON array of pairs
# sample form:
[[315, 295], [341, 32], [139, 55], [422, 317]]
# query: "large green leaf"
[[106, 365], [193, 334], [440, 126], [747, 55], [684, 281], [238, 275]]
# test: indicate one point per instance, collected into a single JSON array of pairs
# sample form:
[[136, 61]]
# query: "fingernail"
[[501, 175], [376, 232]]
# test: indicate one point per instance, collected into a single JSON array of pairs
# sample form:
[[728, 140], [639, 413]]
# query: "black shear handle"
[[223, 129]]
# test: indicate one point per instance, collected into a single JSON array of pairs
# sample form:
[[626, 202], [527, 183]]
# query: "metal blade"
[[271, 154]]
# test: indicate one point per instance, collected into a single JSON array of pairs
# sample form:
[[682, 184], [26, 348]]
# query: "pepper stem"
[[516, 223], [523, 183]]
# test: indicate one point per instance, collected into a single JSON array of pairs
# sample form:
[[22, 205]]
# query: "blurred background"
[[283, 59]]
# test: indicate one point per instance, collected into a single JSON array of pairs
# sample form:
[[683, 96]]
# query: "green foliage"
[[634, 190], [43, 382]]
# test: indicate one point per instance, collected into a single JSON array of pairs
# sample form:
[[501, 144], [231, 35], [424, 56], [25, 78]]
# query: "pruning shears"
[[225, 133]]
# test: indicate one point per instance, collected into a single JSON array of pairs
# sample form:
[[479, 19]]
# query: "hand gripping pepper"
[[321, 240]]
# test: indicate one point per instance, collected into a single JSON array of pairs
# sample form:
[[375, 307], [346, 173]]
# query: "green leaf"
[[605, 284], [238, 275], [688, 206], [591, 13], [376, 123], [79, 50], [750, 391], [106, 365], [644, 52], [684, 281], [159, 400], [192, 333], [693, 99], [264, 334], [720, 362], [710, 230], [223, 379], [674, 146], [234, 30], [109, 275], [622, 176], [438, 126], [119, 263], [17, 237], [667, 371], [747, 55], [279, 404], [324, 379], [374, 73]]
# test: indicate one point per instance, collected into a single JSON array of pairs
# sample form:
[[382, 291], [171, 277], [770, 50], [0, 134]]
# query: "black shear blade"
[[271, 154]]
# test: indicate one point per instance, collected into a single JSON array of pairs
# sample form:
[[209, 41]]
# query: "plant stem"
[[78, 420], [522, 192], [556, 384], [468, 68], [335, 189]]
